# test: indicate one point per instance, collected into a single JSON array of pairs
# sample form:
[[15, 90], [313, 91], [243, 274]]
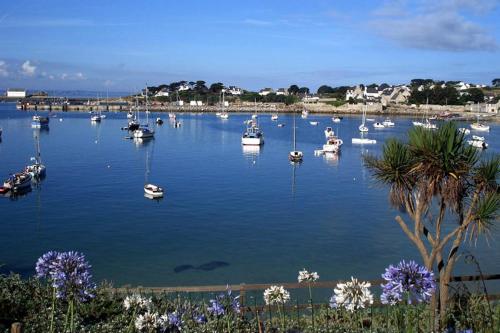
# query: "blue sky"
[[121, 45]]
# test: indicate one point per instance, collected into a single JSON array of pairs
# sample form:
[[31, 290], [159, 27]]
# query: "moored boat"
[[332, 145], [253, 136], [18, 182], [314, 123], [39, 121], [329, 132], [388, 123], [153, 190], [274, 117], [378, 125], [336, 119]]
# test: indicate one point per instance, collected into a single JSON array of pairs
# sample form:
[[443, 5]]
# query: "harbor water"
[[230, 214]]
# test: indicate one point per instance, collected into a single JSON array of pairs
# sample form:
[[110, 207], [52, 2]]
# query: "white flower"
[[352, 295], [163, 321], [138, 301], [276, 295], [147, 321], [305, 276]]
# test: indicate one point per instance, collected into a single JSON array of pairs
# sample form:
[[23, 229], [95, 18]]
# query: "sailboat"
[[151, 191], [39, 121], [36, 170], [134, 124], [223, 114], [362, 127], [295, 155], [143, 132], [96, 117], [477, 126]]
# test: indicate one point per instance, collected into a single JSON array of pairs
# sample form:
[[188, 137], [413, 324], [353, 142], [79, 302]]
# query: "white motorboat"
[[378, 125], [295, 155], [363, 141], [224, 115], [153, 190], [274, 117], [130, 115], [143, 133], [95, 118], [253, 136], [18, 182], [388, 123], [304, 114], [314, 123], [254, 116], [336, 119], [464, 131], [217, 114], [478, 143], [329, 132], [281, 125], [429, 125], [159, 121], [332, 145], [39, 121]]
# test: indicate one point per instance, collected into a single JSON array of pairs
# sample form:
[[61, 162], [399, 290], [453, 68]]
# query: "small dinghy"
[[378, 125], [281, 125], [159, 121], [153, 190], [314, 123]]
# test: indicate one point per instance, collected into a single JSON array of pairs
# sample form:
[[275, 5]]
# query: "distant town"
[[198, 95]]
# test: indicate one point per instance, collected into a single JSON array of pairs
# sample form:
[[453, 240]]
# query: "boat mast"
[[294, 139], [223, 100], [147, 112]]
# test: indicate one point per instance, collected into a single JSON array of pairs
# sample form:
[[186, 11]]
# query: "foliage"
[[495, 82], [436, 178]]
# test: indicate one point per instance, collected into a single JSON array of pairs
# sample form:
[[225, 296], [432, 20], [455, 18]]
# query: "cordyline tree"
[[447, 191]]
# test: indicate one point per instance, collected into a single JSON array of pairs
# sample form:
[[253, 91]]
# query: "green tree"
[[216, 88], [294, 89], [324, 89], [474, 95], [447, 192], [303, 90]]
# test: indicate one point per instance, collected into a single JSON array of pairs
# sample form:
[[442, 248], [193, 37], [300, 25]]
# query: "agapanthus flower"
[[175, 319], [276, 295], [137, 301], [69, 273], [305, 276], [352, 295], [200, 318], [216, 308], [147, 321], [224, 303], [407, 280], [45, 265]]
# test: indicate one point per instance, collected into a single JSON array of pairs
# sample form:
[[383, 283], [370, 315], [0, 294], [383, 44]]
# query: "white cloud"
[[28, 69], [437, 26], [3, 69], [80, 76], [63, 76]]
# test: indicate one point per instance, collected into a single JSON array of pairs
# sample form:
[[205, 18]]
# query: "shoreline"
[[313, 110]]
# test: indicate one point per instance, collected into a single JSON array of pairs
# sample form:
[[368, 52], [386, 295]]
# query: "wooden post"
[[16, 328]]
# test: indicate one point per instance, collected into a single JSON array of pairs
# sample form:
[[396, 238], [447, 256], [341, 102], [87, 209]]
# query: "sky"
[[122, 45]]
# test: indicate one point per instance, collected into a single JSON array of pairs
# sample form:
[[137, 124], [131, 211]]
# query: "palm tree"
[[437, 179]]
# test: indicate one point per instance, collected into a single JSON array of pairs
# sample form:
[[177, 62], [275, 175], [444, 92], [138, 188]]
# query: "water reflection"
[[140, 142], [331, 158]]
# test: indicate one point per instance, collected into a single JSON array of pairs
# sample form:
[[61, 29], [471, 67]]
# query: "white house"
[[282, 91], [162, 93], [234, 90], [356, 93], [16, 93], [310, 99], [462, 86], [265, 91], [183, 87]]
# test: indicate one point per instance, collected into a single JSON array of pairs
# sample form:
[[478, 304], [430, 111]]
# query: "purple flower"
[[175, 319], [45, 264], [216, 308], [69, 273], [407, 280], [200, 318]]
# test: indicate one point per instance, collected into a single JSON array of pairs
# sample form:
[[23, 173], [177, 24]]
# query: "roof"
[[16, 90], [371, 90]]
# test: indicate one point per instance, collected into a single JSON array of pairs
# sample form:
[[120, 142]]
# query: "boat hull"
[[252, 141]]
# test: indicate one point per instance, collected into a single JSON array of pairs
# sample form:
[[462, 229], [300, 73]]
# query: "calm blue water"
[[251, 210]]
